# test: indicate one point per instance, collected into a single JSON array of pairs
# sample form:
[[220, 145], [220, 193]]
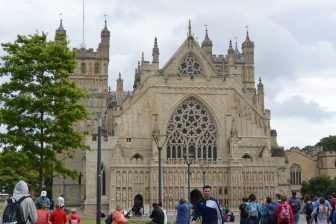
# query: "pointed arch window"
[[191, 131], [190, 67], [96, 68], [295, 174], [83, 68]]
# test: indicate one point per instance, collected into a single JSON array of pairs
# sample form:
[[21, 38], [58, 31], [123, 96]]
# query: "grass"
[[91, 219]]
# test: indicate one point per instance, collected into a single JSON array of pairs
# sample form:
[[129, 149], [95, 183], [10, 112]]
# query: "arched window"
[[96, 68], [83, 68], [137, 157], [191, 132], [295, 174], [190, 67], [247, 157]]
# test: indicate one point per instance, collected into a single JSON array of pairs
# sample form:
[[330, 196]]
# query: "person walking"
[[183, 212], [268, 212], [295, 203], [307, 208], [42, 214], [58, 216], [284, 212], [321, 214], [118, 217], [27, 204], [74, 218], [208, 209], [243, 211], [253, 210]]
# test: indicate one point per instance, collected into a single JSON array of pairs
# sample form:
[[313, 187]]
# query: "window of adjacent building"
[[191, 132], [295, 174], [83, 68], [96, 68]]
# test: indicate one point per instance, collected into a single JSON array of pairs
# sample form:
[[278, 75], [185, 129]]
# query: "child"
[[42, 214], [74, 217]]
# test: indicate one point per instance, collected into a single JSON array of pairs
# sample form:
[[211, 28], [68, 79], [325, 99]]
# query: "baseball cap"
[[43, 193]]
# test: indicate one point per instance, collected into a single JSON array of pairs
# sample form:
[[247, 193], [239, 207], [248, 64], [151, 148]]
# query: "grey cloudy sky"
[[295, 45]]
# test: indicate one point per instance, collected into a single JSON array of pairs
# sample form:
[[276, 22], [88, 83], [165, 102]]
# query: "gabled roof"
[[190, 45]]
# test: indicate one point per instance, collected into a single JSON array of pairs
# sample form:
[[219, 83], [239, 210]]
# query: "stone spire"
[[60, 30], [120, 91], [261, 95], [236, 52], [104, 45], [207, 43], [156, 52]]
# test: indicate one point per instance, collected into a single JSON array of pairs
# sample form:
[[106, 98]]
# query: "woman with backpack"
[[284, 212], [307, 208], [321, 214]]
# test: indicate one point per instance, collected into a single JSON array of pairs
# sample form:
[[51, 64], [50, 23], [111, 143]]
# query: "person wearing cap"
[[43, 200]]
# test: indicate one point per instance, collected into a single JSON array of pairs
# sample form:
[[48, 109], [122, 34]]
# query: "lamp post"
[[99, 116], [188, 160], [99, 148], [204, 164], [157, 138]]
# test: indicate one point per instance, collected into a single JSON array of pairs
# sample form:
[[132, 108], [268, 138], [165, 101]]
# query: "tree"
[[319, 185], [328, 143], [40, 105]]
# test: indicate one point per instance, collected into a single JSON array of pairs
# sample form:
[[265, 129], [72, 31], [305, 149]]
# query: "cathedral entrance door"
[[195, 195], [138, 205]]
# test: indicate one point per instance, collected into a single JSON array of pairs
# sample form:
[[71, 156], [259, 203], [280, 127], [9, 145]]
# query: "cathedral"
[[199, 110]]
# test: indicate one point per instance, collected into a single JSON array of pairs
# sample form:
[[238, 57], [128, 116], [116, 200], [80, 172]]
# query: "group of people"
[[38, 212], [283, 211]]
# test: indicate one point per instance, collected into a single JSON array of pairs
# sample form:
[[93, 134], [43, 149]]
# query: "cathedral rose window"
[[190, 66], [192, 132]]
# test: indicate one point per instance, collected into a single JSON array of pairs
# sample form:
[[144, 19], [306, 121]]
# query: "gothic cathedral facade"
[[202, 107]]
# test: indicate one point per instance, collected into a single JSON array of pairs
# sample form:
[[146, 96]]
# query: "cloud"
[[297, 107]]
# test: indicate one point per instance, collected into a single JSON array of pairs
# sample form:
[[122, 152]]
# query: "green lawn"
[[92, 219]]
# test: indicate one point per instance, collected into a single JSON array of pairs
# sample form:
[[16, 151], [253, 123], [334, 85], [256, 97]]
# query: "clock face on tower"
[[190, 67]]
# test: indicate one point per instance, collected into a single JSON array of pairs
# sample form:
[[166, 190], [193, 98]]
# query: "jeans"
[[296, 218], [253, 220], [243, 220]]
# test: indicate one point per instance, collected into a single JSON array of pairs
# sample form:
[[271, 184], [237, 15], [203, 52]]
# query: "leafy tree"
[[319, 185], [328, 143], [307, 148], [40, 105]]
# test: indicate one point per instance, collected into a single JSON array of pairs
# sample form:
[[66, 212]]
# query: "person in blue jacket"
[[183, 212], [207, 208]]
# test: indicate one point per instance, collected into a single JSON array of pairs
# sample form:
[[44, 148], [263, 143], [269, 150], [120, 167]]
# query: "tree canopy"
[[328, 143], [319, 186], [40, 106]]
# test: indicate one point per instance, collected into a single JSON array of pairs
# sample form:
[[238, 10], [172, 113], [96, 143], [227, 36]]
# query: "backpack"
[[295, 207], [253, 210], [13, 213], [309, 208], [284, 213], [270, 214], [243, 211], [322, 213]]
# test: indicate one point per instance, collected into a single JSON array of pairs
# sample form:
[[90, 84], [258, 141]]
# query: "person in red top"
[[118, 216], [74, 217], [284, 212], [58, 216], [42, 214]]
